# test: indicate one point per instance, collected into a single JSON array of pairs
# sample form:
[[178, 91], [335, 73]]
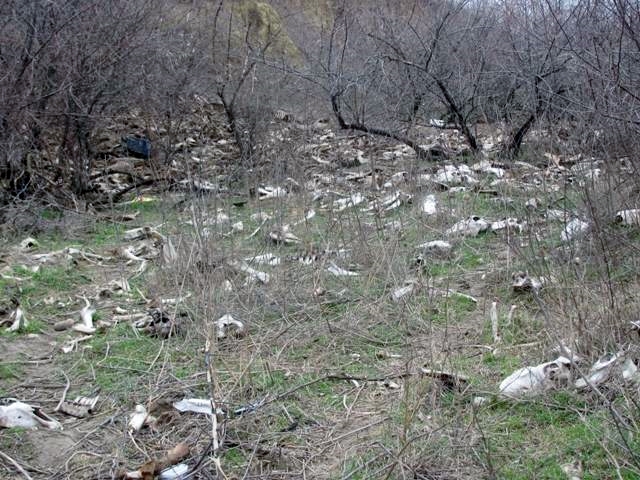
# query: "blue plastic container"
[[137, 146]]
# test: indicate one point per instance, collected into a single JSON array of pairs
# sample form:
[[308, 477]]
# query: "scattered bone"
[[440, 247], [283, 235], [169, 253], [470, 227], [509, 224], [157, 323], [523, 283], [237, 227], [64, 324], [429, 205], [229, 326], [29, 244], [265, 259], [253, 274], [485, 166], [86, 319], [142, 233], [340, 272], [450, 380], [493, 315], [72, 345], [80, 407], [267, 192], [605, 368], [399, 293], [573, 470], [139, 418], [535, 380], [573, 230], [351, 201], [18, 319], [22, 415], [628, 217], [260, 217]]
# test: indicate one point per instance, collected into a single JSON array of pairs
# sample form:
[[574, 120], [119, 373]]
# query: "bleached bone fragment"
[[470, 227], [435, 246], [169, 253], [529, 381], [227, 325], [602, 370], [139, 418], [574, 229], [402, 292], [19, 320], [176, 472], [260, 217], [237, 227], [429, 205], [510, 224], [142, 233], [264, 259], [253, 274], [267, 192], [351, 201], [628, 217], [283, 235], [29, 244], [86, 319], [22, 415], [340, 272], [485, 166]]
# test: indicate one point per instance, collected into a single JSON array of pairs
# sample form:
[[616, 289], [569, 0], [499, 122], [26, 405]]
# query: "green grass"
[[535, 438]]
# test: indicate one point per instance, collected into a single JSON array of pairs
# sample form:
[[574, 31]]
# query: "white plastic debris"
[[340, 272], [469, 227], [175, 472], [194, 405], [227, 325], [628, 217], [574, 229], [535, 380], [429, 205], [22, 415]]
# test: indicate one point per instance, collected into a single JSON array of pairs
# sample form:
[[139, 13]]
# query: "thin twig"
[[16, 465]]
